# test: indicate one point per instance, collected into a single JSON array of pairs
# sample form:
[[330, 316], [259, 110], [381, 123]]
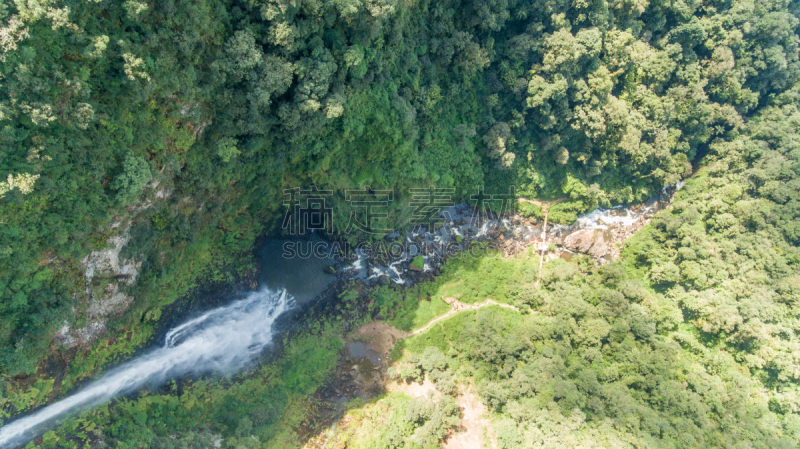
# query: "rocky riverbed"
[[407, 258]]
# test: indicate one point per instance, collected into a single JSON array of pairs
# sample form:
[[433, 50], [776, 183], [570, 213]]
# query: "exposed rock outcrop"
[[103, 267], [587, 241]]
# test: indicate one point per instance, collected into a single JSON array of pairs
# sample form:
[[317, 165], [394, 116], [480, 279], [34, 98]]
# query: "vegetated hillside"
[[688, 340], [187, 119]]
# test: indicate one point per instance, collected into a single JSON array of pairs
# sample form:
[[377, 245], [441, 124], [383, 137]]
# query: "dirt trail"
[[355, 377], [458, 306], [542, 203], [474, 423], [423, 389]]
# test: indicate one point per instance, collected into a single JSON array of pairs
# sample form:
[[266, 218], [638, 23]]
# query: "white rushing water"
[[222, 340], [602, 218]]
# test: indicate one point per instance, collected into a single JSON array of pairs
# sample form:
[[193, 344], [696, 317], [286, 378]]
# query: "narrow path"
[[458, 306], [542, 204]]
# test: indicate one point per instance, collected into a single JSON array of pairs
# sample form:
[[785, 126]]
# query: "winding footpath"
[[543, 246], [458, 306]]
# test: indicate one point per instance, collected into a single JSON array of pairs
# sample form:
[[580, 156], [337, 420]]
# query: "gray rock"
[[587, 241]]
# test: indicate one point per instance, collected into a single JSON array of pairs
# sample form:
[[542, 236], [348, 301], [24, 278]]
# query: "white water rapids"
[[222, 340]]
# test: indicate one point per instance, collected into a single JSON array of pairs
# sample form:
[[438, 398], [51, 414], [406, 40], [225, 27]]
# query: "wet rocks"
[[600, 234]]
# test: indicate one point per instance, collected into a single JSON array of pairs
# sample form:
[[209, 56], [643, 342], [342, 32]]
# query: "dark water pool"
[[302, 277], [359, 350]]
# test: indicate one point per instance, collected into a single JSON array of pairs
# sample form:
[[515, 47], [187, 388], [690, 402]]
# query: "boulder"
[[600, 247], [587, 241]]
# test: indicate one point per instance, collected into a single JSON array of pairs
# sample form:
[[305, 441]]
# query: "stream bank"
[[404, 259]]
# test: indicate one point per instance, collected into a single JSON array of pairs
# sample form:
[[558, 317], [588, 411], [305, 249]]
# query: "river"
[[222, 340]]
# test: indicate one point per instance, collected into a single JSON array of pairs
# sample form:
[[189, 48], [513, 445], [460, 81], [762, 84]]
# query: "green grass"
[[419, 314]]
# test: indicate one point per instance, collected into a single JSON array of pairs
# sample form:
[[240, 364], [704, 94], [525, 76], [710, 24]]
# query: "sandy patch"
[[379, 336], [474, 423], [414, 389]]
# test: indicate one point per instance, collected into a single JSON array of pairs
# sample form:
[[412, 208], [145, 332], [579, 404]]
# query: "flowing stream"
[[222, 340]]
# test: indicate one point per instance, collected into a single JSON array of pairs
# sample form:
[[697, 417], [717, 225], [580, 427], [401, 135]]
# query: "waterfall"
[[222, 340]]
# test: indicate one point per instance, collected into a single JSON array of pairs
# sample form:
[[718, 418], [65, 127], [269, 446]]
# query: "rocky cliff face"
[[105, 277]]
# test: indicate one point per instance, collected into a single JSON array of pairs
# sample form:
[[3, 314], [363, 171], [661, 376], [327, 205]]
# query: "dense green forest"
[[688, 340], [180, 123]]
